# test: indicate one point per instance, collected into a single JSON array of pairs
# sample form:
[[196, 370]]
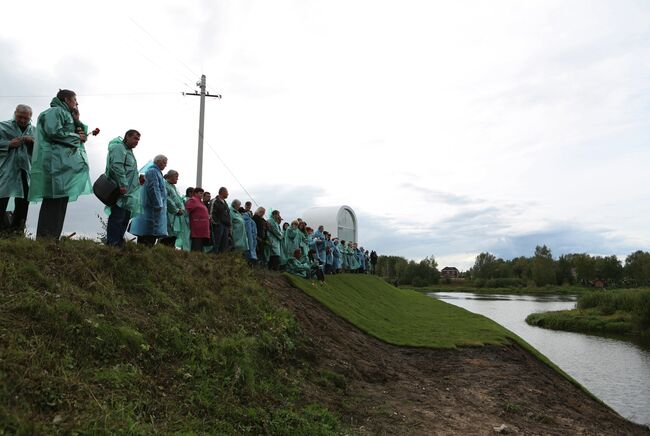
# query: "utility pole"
[[203, 95]]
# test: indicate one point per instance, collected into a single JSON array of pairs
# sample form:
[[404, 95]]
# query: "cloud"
[[291, 201], [563, 239], [436, 196]]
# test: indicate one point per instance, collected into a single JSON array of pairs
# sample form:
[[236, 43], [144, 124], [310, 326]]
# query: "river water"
[[616, 371]]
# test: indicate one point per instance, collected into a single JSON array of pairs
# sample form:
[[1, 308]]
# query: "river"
[[617, 372]]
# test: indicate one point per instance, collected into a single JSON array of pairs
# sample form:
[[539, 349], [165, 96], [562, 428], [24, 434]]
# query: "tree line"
[[569, 269], [541, 269], [400, 271]]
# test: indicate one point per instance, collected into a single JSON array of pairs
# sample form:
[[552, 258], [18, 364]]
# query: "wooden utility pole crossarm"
[[203, 95]]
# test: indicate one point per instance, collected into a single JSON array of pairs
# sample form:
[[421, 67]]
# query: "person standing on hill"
[[336, 254], [152, 224], [220, 215], [373, 262], [59, 164], [319, 244], [177, 230], [275, 235], [16, 146], [238, 226], [199, 220], [122, 168], [262, 245]]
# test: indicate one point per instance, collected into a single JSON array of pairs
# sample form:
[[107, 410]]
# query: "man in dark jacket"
[[220, 217], [261, 224]]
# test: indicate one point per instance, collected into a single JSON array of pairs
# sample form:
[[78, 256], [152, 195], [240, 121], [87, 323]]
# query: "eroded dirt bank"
[[398, 390]]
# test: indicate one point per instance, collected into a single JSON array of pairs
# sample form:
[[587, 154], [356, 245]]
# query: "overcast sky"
[[450, 128]]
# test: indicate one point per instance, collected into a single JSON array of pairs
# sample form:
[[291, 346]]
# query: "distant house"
[[450, 272], [598, 283]]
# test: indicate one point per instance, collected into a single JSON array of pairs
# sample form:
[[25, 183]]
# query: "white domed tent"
[[340, 221]]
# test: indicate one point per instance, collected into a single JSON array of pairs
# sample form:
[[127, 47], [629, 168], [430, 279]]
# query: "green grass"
[[407, 318], [94, 340], [400, 316], [583, 321], [617, 312]]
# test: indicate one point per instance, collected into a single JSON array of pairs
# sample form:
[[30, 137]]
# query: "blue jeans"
[[118, 220]]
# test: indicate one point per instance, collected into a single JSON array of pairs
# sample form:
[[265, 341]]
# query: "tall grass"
[[636, 302]]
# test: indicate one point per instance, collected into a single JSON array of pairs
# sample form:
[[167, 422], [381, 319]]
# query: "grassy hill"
[[97, 340]]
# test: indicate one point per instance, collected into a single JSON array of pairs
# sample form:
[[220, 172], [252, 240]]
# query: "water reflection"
[[617, 372]]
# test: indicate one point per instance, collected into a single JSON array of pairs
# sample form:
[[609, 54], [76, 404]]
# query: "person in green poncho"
[[274, 235], [16, 145], [305, 269], [239, 238], [178, 233], [122, 168], [292, 238], [59, 164], [343, 249]]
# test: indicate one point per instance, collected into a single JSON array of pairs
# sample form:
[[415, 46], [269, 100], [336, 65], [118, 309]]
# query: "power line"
[[231, 173], [194, 74], [163, 69]]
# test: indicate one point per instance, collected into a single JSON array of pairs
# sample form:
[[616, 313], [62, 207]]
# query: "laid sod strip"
[[401, 316], [408, 318]]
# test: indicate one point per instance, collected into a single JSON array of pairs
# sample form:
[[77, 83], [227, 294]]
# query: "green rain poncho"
[[59, 163], [122, 168], [292, 240], [13, 160], [344, 256], [177, 225], [239, 238], [297, 267], [304, 246], [353, 262], [274, 236]]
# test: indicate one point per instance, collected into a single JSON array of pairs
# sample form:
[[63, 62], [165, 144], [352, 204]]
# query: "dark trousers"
[[21, 207], [169, 241], [318, 272], [274, 263], [51, 217], [118, 220], [147, 240], [220, 233], [197, 244]]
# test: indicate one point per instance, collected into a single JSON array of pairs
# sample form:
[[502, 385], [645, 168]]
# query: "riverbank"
[[463, 390], [527, 290], [141, 341], [620, 312]]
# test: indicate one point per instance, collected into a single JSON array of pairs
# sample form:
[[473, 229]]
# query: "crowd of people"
[[48, 163]]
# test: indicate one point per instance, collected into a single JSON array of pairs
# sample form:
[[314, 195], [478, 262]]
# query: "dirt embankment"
[[398, 390]]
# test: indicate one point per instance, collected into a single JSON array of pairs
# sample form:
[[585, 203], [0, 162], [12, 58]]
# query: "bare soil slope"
[[400, 390]]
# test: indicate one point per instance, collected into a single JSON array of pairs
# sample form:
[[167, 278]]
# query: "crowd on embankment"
[[48, 163]]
